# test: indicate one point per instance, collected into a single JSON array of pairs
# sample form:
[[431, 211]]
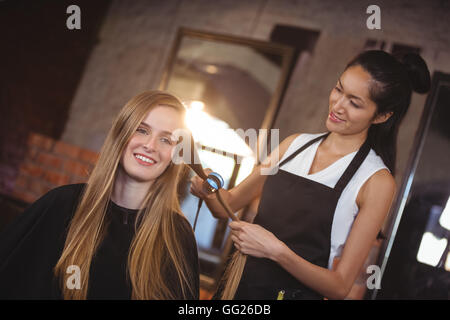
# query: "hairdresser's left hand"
[[254, 240]]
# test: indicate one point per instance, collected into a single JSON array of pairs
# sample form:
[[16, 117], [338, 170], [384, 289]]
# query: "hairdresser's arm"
[[374, 201], [249, 189]]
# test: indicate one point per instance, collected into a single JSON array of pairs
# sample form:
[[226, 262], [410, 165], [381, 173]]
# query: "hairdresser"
[[332, 191]]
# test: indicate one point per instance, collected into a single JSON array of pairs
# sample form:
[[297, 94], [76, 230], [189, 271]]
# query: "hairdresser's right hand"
[[197, 187]]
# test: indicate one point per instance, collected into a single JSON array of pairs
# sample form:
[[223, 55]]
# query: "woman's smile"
[[149, 151], [350, 107], [144, 160], [334, 118]]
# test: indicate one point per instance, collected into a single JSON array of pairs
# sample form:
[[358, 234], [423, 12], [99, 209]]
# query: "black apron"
[[299, 212]]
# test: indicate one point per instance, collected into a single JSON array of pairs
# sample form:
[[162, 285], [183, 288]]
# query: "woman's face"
[[149, 151], [351, 111]]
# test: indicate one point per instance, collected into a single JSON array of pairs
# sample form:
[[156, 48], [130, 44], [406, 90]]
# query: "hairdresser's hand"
[[197, 187], [254, 240]]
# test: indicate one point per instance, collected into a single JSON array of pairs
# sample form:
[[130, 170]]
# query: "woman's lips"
[[333, 118], [144, 160]]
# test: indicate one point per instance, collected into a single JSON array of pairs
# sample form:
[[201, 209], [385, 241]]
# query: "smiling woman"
[[332, 193], [351, 109], [123, 231], [149, 150]]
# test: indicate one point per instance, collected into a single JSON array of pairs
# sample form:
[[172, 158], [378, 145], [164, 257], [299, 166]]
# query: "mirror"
[[415, 260], [227, 83]]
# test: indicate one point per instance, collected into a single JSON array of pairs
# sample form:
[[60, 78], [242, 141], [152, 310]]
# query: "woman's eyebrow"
[[350, 95], [150, 127]]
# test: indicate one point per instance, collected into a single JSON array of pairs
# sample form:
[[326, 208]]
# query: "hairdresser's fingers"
[[236, 234], [201, 184], [235, 238], [196, 188], [196, 182], [238, 243], [195, 193], [235, 225], [201, 194]]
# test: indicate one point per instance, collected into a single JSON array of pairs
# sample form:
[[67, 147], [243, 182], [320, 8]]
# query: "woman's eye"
[[354, 104], [141, 130], [166, 140], [337, 89]]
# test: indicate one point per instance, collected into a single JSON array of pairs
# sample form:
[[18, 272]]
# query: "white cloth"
[[346, 209]]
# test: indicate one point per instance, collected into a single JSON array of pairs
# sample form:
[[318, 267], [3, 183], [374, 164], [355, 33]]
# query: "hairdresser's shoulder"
[[294, 139], [287, 142]]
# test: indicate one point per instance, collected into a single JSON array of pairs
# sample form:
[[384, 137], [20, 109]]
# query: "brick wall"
[[49, 163], [43, 62]]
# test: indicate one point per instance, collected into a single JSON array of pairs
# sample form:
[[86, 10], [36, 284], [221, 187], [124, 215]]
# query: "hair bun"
[[418, 73]]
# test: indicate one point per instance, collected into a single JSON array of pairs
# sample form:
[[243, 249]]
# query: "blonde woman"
[[119, 236]]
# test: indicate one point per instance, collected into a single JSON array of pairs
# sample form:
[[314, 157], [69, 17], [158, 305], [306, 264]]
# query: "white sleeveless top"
[[346, 209]]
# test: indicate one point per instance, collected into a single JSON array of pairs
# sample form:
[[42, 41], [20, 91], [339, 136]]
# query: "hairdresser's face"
[[351, 111], [149, 151]]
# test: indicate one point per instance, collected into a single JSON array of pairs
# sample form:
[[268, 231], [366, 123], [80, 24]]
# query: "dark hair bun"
[[418, 73]]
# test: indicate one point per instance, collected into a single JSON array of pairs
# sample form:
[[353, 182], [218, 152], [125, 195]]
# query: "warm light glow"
[[444, 220], [206, 224], [196, 105], [246, 168], [215, 133], [219, 163], [211, 69], [431, 249], [447, 262]]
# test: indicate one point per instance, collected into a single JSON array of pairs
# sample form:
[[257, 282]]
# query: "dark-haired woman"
[[332, 192]]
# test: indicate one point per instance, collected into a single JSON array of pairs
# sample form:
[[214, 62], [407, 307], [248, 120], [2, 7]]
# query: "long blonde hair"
[[155, 243]]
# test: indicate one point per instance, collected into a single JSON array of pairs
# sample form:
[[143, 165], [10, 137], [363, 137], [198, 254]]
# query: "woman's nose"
[[339, 105], [150, 143]]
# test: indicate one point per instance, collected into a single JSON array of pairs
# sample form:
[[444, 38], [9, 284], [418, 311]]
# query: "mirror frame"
[[286, 53], [403, 195]]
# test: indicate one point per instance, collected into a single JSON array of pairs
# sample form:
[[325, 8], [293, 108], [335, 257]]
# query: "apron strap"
[[351, 169], [302, 148], [353, 166]]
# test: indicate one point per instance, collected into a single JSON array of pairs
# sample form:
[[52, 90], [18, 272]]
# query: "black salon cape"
[[32, 244]]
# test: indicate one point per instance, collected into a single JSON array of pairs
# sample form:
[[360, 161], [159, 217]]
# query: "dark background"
[[42, 62]]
